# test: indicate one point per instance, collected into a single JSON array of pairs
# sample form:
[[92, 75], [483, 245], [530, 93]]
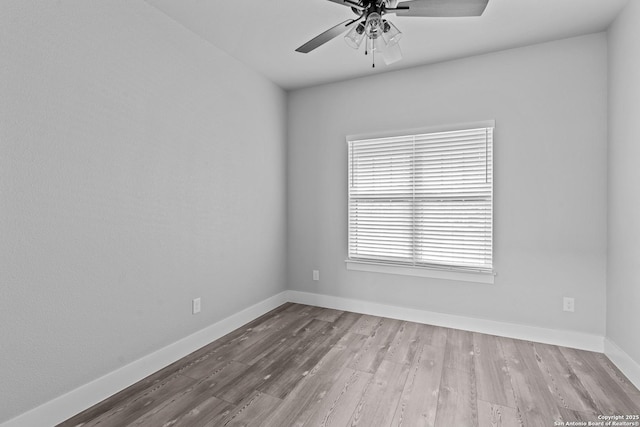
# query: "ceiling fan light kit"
[[382, 35]]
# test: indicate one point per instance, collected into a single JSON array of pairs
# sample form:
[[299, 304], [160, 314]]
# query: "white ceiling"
[[265, 33]]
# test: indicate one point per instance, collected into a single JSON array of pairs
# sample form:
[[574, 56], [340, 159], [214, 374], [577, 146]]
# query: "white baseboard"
[[571, 339], [69, 404], [629, 367]]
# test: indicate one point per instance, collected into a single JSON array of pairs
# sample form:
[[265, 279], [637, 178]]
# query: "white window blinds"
[[423, 200]]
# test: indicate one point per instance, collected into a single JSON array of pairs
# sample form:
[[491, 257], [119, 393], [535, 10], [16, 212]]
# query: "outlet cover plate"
[[568, 304]]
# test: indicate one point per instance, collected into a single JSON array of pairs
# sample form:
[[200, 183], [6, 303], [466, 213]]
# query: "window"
[[423, 200]]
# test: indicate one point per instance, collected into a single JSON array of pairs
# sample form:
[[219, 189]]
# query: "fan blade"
[[349, 3], [326, 36], [441, 8]]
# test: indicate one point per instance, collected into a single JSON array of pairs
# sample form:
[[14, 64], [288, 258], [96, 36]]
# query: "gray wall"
[[623, 266], [550, 106], [140, 167]]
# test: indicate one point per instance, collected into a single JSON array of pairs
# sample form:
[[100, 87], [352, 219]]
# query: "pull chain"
[[373, 51], [373, 55]]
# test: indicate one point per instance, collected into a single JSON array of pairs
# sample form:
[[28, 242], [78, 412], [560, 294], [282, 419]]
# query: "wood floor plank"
[[617, 375], [376, 346], [339, 404], [612, 370], [380, 399], [144, 402], [206, 366], [309, 311], [605, 390], [219, 380], [434, 335], [419, 399], [279, 340], [492, 377], [125, 395], [237, 389], [250, 412], [192, 408], [308, 356], [534, 402], [339, 328], [405, 344], [366, 324], [459, 350], [276, 364], [261, 321], [563, 382], [309, 393], [288, 367], [258, 328], [235, 344], [328, 315], [494, 415], [267, 321], [457, 399], [302, 309]]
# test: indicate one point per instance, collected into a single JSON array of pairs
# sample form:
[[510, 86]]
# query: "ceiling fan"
[[378, 33]]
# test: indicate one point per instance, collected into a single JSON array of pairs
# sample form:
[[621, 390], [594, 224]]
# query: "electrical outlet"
[[195, 306], [316, 275], [568, 304]]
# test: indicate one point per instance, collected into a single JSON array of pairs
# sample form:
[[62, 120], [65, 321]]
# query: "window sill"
[[464, 276]]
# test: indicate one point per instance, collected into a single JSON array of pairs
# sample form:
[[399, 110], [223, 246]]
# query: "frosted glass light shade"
[[391, 34], [355, 36], [391, 54]]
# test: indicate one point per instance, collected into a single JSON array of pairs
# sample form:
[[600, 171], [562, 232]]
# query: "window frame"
[[432, 271]]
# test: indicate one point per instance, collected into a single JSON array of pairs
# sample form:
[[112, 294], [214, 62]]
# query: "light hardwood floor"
[[307, 366]]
